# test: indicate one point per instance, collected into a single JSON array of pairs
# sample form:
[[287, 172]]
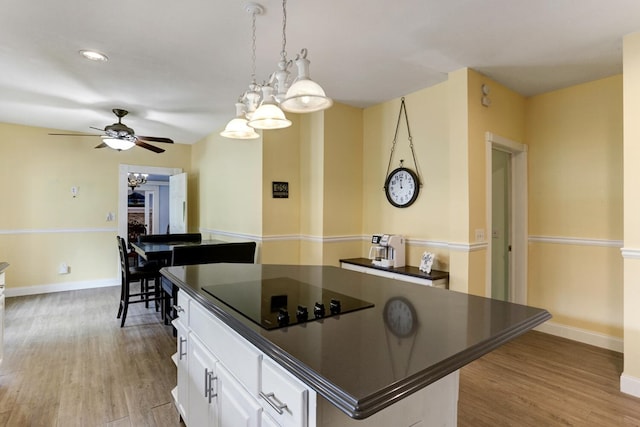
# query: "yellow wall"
[[632, 207], [42, 225], [428, 218], [575, 192]]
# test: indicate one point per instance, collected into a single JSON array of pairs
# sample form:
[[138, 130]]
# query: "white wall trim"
[[630, 253], [60, 230], [60, 287], [468, 247], [576, 241], [630, 385], [582, 335], [428, 243]]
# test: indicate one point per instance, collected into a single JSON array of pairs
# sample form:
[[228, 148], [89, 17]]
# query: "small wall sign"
[[280, 190]]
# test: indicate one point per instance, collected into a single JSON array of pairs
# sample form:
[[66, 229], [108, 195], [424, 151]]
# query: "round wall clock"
[[402, 187], [400, 317]]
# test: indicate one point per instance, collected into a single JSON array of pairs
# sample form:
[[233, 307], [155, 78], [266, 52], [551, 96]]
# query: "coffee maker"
[[388, 251]]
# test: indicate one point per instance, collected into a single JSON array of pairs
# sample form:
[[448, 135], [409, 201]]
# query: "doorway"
[[501, 285], [151, 196], [507, 210]]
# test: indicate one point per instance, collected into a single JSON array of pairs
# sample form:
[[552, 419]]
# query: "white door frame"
[[123, 189], [519, 199]]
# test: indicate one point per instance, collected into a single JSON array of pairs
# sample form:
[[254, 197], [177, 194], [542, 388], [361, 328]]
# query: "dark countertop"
[[3, 266], [353, 360], [407, 270]]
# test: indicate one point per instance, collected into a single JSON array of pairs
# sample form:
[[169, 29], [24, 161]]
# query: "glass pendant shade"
[[305, 95], [237, 128], [118, 144], [268, 115]]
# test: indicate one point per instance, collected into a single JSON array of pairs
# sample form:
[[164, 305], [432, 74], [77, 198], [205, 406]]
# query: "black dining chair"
[[149, 279], [236, 252]]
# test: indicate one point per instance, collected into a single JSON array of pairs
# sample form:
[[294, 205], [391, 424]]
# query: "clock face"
[[402, 187], [400, 316]]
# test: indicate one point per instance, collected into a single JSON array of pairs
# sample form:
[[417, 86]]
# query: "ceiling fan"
[[121, 137]]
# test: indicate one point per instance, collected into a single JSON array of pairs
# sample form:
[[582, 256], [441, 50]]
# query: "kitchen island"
[[394, 357]]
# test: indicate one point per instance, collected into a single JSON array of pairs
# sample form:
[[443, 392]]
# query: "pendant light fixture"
[[305, 95], [237, 128], [269, 115]]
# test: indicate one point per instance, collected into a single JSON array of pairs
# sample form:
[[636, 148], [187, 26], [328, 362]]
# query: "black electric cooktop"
[[283, 301]]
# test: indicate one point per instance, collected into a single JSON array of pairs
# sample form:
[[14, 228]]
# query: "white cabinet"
[[181, 359], [202, 408], [439, 283], [236, 406], [224, 381]]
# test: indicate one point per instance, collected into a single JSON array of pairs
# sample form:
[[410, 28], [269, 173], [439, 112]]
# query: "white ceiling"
[[179, 66]]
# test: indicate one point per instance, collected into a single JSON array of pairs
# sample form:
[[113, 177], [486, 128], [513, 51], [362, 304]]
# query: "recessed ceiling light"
[[94, 55]]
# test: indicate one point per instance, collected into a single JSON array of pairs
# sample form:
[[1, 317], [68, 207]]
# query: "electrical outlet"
[[110, 216], [63, 268], [479, 235]]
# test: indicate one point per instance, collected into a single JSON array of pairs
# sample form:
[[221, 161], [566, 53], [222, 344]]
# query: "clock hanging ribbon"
[[402, 185]]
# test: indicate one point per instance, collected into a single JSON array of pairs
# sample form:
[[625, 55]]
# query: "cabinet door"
[[182, 364], [202, 407], [237, 407]]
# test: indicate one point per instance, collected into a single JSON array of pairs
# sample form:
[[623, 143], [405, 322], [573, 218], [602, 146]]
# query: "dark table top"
[[407, 270], [354, 360], [162, 251]]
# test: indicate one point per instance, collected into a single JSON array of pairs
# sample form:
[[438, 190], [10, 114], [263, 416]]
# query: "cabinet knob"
[[178, 309]]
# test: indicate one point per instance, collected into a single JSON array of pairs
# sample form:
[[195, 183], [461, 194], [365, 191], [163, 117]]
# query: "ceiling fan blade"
[[101, 145], [155, 139], [149, 146], [73, 134], [93, 127]]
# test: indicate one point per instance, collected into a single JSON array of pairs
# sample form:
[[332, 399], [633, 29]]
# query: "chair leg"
[[121, 299], [124, 304]]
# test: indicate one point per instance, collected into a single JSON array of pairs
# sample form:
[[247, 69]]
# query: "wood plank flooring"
[[543, 380], [68, 363]]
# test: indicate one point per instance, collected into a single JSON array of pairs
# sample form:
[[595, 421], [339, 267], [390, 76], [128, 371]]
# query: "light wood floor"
[[68, 363], [542, 380]]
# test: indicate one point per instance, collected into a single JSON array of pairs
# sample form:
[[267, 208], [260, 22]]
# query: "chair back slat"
[[170, 238], [238, 252]]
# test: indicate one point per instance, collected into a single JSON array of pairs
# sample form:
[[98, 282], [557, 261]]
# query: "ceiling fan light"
[[118, 144]]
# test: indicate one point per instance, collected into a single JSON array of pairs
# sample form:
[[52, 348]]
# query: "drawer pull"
[[273, 401], [178, 309], [180, 352], [208, 384]]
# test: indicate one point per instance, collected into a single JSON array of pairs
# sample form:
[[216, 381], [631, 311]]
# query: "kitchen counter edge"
[[365, 407]]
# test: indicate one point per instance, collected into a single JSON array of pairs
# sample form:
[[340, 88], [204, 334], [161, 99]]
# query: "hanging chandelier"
[[261, 106], [136, 179]]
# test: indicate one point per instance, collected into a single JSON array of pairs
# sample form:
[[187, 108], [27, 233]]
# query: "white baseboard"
[[59, 287], [630, 385], [582, 335]]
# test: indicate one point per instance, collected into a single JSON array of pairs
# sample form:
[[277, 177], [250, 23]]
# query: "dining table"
[[161, 253]]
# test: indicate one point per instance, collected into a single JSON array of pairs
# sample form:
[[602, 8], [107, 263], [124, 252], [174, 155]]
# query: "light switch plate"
[[479, 235]]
